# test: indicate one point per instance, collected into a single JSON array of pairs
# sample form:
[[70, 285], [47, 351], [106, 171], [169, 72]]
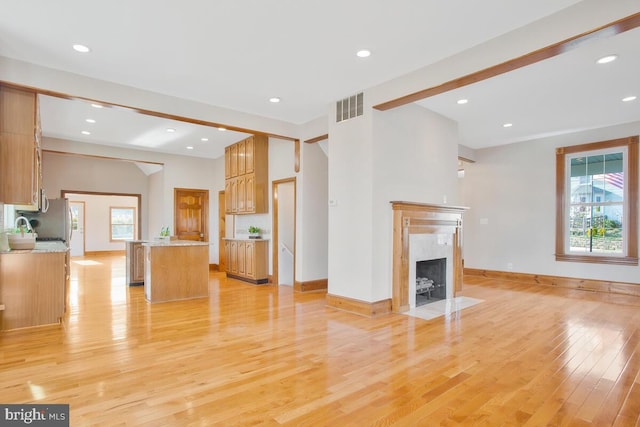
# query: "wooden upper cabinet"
[[227, 162], [241, 158], [250, 176], [18, 111], [248, 155], [20, 167], [233, 160], [241, 194]]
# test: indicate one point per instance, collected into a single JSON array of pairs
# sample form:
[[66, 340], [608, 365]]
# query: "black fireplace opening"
[[431, 281]]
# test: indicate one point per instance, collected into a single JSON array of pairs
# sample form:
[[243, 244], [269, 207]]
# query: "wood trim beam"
[[316, 139], [92, 156], [148, 112], [608, 30]]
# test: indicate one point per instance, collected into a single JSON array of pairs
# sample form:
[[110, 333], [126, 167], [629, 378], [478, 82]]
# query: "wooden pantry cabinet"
[[20, 152], [247, 259], [246, 176]]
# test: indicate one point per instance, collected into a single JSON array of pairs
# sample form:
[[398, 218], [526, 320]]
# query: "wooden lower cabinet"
[[248, 260], [135, 262], [176, 271], [32, 290]]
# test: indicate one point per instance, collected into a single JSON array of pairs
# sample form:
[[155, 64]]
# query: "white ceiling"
[[239, 53]]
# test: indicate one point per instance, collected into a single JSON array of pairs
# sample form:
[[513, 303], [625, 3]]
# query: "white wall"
[[513, 188], [408, 154], [313, 227], [350, 204], [415, 160], [97, 225]]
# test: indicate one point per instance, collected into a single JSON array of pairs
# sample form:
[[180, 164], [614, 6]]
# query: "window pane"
[[596, 229], [122, 223], [121, 216], [121, 232]]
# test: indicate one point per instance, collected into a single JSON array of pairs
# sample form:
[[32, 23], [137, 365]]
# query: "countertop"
[[41, 248], [160, 243], [245, 239]]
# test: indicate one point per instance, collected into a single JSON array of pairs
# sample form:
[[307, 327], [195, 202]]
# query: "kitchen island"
[[33, 285], [175, 270]]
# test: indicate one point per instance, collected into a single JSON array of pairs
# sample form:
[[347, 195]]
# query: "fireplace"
[[431, 281], [425, 232]]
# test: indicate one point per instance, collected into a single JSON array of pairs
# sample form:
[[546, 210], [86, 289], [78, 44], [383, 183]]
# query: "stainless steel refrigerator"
[[54, 224]]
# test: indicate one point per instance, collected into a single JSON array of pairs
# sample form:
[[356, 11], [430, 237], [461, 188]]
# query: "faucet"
[[26, 222]]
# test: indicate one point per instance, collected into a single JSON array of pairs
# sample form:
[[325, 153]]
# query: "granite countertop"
[[245, 239], [40, 248], [155, 243]]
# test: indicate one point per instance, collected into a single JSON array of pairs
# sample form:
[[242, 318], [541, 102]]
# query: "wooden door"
[[222, 227], [191, 214]]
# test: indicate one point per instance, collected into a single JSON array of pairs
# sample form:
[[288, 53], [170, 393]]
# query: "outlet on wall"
[[510, 266]]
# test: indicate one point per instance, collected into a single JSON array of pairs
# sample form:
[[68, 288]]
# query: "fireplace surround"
[[410, 218]]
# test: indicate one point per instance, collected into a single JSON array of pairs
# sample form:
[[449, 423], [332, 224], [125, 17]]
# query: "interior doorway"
[[284, 231], [76, 243], [95, 229], [191, 214]]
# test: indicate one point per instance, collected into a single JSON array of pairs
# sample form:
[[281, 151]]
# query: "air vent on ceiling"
[[350, 107]]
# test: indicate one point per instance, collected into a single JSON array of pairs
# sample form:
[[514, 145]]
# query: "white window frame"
[[135, 223]]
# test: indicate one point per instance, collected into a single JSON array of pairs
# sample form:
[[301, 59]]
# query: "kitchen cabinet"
[[20, 151], [176, 270], [33, 288], [247, 176], [247, 259], [135, 262]]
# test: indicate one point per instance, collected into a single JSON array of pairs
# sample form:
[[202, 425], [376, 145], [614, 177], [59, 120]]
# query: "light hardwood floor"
[[263, 355]]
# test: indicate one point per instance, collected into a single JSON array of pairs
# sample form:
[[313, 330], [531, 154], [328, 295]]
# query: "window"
[[123, 223], [597, 202]]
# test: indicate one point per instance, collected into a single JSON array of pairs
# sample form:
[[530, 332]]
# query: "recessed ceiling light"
[[189, 147], [507, 125], [170, 130], [629, 99], [607, 59], [274, 100], [462, 101], [96, 105], [81, 48], [204, 139], [363, 53], [221, 129], [86, 132], [90, 121]]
